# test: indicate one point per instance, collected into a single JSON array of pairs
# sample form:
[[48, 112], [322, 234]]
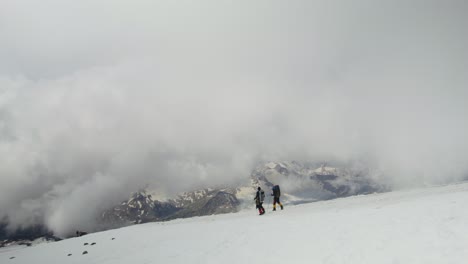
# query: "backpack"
[[276, 191], [262, 196]]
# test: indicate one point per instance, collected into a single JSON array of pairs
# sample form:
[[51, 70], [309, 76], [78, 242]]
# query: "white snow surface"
[[418, 226]]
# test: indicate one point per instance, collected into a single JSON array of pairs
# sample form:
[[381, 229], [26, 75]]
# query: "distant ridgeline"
[[302, 183], [141, 208]]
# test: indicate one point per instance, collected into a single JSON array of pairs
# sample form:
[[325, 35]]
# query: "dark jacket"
[[276, 191], [258, 197]]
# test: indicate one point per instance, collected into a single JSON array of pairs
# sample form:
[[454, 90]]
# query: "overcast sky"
[[99, 98]]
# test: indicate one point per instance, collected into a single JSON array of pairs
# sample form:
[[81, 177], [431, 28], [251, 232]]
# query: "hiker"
[[259, 197], [276, 197]]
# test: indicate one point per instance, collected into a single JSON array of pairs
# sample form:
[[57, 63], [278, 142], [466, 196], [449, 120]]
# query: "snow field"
[[418, 226]]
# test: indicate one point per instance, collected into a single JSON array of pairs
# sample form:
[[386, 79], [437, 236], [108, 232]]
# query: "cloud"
[[100, 98]]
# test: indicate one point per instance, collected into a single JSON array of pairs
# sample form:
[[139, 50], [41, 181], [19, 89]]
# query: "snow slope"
[[418, 226]]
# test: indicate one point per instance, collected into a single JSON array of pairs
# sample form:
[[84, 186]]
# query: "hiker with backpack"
[[276, 197], [259, 198]]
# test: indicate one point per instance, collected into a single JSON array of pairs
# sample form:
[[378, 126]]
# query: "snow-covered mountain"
[[301, 182], [417, 226], [205, 202], [141, 208]]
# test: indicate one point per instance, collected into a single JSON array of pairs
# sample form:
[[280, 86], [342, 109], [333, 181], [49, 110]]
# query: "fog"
[[101, 98]]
